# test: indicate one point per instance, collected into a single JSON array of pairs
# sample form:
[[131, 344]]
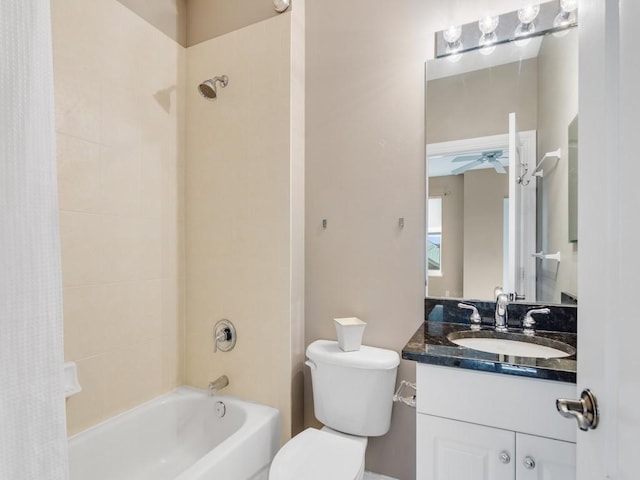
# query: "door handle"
[[584, 410]]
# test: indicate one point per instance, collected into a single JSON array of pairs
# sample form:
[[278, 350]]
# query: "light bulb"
[[280, 5], [568, 5], [523, 34], [528, 14], [564, 19], [488, 24], [454, 47], [487, 43], [452, 34]]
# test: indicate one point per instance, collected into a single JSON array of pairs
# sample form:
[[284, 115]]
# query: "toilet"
[[352, 397]]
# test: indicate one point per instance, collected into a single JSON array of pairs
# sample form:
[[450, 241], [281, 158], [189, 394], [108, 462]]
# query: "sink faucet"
[[501, 316], [528, 322], [475, 320]]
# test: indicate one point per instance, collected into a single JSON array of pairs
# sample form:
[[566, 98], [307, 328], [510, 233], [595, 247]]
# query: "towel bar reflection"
[[548, 256]]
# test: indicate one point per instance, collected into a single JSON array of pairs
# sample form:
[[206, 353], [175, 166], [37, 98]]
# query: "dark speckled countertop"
[[430, 345]]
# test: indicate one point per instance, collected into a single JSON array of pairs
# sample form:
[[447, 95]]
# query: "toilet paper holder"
[[410, 400]]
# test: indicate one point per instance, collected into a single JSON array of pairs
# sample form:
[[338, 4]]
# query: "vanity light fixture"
[[553, 16], [527, 26]]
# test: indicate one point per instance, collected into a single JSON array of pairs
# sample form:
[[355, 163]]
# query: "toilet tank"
[[353, 391]]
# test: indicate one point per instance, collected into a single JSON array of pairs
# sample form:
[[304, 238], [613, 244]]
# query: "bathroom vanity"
[[489, 416]]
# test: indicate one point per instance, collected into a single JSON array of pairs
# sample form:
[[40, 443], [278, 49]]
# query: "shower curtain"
[[32, 415]]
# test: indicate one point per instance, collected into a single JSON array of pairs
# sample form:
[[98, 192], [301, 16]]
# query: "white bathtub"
[[180, 436]]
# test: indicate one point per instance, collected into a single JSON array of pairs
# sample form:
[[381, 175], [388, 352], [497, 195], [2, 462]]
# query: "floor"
[[376, 476]]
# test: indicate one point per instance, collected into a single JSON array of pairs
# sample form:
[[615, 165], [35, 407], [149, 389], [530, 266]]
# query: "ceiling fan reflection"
[[490, 157]]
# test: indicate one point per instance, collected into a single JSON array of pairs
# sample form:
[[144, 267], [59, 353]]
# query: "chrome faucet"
[[218, 384], [501, 316], [475, 320], [528, 322]]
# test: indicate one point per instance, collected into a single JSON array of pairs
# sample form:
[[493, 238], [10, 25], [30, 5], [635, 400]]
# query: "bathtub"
[[182, 435]]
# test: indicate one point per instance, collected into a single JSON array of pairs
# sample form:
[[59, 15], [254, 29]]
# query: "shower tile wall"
[[241, 224], [119, 91]]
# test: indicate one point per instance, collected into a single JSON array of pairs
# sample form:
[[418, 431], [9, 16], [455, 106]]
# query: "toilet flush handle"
[[311, 364]]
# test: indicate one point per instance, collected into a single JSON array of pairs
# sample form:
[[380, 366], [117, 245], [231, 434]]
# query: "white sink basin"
[[513, 344]]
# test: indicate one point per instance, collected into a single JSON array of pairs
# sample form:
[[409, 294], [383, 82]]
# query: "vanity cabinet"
[[454, 450], [485, 426], [540, 458]]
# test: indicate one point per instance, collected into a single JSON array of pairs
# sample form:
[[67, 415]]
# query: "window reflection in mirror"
[[434, 237], [573, 180]]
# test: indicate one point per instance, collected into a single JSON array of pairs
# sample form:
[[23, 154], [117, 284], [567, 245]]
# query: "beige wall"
[[558, 105], [118, 97], [195, 21], [365, 169], [484, 194], [168, 16], [243, 197], [451, 190], [207, 19], [478, 104]]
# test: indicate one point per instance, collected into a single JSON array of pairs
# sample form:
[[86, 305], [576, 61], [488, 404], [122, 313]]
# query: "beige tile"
[[199, 359], [78, 174], [72, 20], [122, 367], [133, 375], [77, 97], [87, 407], [118, 88], [115, 315], [170, 247], [120, 180], [154, 194], [121, 61], [120, 260], [171, 317], [145, 305], [149, 253], [171, 367], [84, 321], [120, 116], [82, 245]]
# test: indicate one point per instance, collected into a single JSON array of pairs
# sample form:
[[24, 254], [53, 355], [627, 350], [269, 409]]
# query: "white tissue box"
[[349, 331]]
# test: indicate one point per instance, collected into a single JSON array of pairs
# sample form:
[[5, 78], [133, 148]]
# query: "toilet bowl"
[[352, 397], [320, 455]]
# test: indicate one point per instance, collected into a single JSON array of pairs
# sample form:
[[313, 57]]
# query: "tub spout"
[[218, 384]]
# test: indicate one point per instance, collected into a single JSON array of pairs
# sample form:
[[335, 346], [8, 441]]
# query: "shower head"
[[208, 88]]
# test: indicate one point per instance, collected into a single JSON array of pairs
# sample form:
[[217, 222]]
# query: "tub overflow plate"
[[221, 409]]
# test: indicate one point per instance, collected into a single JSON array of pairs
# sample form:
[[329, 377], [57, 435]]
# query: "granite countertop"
[[430, 345]]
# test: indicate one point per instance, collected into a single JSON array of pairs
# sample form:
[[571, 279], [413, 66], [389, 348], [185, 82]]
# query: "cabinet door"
[[453, 450], [541, 458]]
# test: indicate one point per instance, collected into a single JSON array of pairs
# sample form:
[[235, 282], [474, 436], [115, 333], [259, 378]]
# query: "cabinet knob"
[[504, 457], [529, 463]]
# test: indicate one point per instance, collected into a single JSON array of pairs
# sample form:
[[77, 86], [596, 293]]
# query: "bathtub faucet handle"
[[224, 336]]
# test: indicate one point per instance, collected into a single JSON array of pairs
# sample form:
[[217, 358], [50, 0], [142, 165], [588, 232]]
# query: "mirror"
[[471, 198], [573, 180]]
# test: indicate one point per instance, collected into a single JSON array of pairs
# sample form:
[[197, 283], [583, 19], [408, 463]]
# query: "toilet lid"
[[318, 455]]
